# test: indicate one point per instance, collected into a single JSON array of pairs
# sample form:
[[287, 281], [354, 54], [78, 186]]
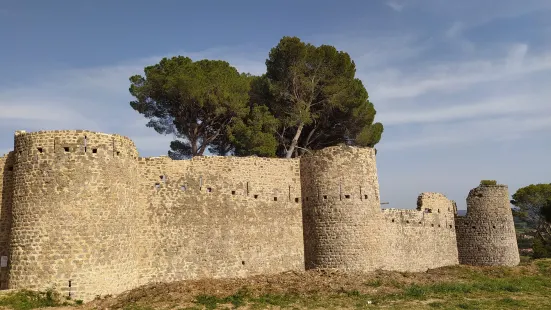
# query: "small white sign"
[[4, 261]]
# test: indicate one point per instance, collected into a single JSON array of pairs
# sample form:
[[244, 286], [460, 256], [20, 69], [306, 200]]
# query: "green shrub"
[[488, 182], [541, 248], [26, 300]]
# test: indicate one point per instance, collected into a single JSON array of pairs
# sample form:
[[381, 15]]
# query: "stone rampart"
[[82, 213], [221, 217], [420, 239]]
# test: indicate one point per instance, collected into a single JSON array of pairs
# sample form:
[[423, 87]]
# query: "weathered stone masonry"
[[82, 213]]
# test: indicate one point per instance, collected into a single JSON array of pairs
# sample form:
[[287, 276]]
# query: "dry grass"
[[460, 287]]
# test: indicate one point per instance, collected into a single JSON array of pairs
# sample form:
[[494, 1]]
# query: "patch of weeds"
[[469, 305], [211, 302], [544, 266], [497, 285], [275, 300], [525, 260], [25, 300], [208, 301], [436, 304], [135, 306], [353, 293], [238, 299], [415, 291], [79, 302], [511, 302], [374, 283], [396, 284]]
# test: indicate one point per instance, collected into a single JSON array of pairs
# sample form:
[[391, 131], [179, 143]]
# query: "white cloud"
[[97, 99], [502, 129], [494, 106], [398, 7], [393, 83]]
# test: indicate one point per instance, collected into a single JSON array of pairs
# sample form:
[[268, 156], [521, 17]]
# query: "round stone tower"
[[486, 235], [74, 213], [341, 208]]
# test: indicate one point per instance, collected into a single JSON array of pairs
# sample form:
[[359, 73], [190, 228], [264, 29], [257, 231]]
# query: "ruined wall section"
[[75, 220], [6, 193], [422, 238], [212, 217], [341, 209], [486, 235]]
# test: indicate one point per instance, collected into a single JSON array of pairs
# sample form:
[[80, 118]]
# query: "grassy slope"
[[459, 287]]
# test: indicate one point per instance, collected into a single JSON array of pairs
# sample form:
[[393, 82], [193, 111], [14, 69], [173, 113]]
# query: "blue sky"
[[462, 87]]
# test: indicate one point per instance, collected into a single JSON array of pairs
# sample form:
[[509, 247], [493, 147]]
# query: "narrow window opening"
[[157, 185], [306, 198], [450, 226], [163, 178], [431, 225], [40, 150], [255, 196], [10, 168], [297, 200], [118, 153], [494, 226], [66, 149], [347, 196], [365, 196], [407, 222], [438, 225], [474, 227], [94, 151], [419, 223], [392, 220], [233, 192], [324, 196], [275, 198], [209, 189], [438, 210], [243, 262], [70, 288]]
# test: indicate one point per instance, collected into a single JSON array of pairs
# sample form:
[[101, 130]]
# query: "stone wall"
[[6, 191], [82, 213], [91, 218], [417, 240], [486, 235], [221, 217]]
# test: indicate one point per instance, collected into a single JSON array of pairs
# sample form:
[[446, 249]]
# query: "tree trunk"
[[294, 143], [193, 143]]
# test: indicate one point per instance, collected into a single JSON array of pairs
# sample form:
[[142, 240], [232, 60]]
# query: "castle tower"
[[74, 215], [341, 208], [486, 235]]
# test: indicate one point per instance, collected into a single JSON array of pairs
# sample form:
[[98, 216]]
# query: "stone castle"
[[82, 213]]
